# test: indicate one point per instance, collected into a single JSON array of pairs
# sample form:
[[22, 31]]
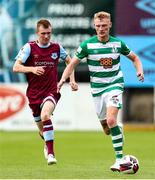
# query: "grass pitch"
[[80, 155]]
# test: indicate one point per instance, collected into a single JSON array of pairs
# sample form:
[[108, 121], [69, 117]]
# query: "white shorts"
[[111, 98]]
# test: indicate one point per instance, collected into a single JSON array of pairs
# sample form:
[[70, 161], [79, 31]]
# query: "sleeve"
[[124, 49], [81, 52], [63, 53], [24, 53]]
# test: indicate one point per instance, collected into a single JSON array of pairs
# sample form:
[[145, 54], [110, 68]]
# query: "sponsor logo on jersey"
[[106, 62], [54, 55], [44, 63], [11, 102]]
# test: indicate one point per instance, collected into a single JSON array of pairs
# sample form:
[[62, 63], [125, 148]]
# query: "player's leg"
[[114, 103], [48, 130], [40, 127], [105, 126], [36, 114], [100, 108], [116, 135], [36, 110]]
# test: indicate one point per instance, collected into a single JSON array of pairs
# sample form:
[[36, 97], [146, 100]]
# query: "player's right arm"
[[79, 55], [20, 68], [21, 59]]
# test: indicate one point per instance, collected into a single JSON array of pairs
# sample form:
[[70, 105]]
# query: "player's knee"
[[111, 122], [45, 116]]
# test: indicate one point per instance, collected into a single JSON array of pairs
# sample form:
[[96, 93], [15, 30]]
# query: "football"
[[129, 164]]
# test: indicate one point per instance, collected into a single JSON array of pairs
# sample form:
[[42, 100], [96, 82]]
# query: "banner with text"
[[135, 17], [71, 113]]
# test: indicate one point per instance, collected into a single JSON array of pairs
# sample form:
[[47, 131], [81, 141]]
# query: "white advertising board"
[[74, 111]]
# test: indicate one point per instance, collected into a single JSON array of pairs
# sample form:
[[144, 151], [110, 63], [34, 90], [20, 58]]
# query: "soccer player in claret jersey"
[[39, 60], [106, 79]]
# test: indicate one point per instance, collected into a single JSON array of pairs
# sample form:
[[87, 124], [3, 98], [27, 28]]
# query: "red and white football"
[[129, 164]]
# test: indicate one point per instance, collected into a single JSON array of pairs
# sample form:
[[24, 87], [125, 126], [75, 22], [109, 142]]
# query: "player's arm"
[[21, 58], [68, 71], [72, 82], [135, 59], [20, 68], [138, 65]]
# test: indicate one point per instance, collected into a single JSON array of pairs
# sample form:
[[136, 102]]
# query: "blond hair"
[[101, 15]]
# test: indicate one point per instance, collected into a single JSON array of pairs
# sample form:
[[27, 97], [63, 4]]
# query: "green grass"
[[80, 155]]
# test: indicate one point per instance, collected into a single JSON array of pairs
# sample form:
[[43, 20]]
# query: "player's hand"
[[59, 85], [38, 70], [140, 76], [74, 86]]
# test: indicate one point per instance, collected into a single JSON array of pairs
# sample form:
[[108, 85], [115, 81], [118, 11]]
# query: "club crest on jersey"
[[114, 49], [54, 55]]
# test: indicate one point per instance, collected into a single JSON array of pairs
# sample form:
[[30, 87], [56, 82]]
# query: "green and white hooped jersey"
[[103, 59]]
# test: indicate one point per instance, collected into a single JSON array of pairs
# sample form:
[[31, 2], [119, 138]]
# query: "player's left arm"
[[73, 84], [138, 65]]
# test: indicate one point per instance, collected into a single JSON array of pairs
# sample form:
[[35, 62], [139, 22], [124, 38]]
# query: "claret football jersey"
[[47, 57]]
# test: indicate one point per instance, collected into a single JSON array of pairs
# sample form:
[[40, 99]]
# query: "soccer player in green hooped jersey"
[[102, 52]]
